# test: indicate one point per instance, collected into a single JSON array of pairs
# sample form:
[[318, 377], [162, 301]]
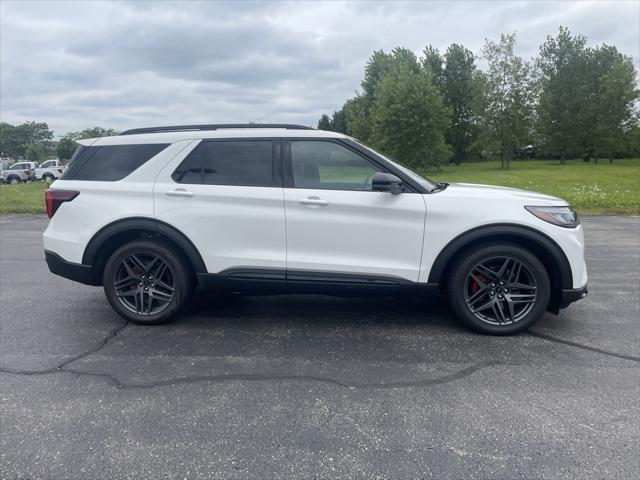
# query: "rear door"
[[337, 224], [226, 196]]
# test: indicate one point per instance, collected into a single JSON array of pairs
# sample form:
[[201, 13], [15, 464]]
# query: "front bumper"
[[73, 271], [572, 295]]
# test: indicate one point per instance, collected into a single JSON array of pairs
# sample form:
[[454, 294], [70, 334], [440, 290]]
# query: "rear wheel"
[[146, 283], [499, 289], [13, 180]]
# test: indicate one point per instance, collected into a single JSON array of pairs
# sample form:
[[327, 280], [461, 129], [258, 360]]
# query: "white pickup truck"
[[50, 170]]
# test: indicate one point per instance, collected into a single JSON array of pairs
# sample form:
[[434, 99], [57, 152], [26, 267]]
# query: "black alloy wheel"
[[147, 281], [499, 289]]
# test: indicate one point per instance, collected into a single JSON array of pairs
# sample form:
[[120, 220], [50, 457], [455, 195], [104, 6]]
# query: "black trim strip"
[[73, 271]]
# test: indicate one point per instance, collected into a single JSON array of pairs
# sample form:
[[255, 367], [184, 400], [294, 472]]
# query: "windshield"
[[428, 184]]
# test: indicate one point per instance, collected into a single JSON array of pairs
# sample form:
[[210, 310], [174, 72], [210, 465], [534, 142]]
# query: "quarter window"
[[111, 162], [329, 166]]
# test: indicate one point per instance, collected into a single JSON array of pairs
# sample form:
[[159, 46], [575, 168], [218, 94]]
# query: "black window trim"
[[378, 163], [276, 161]]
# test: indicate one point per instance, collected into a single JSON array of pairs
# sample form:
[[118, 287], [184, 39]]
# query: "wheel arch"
[[116, 234], [545, 248]]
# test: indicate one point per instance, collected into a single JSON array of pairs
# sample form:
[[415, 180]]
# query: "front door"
[[337, 224]]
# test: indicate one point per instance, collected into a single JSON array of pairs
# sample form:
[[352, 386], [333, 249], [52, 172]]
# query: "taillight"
[[55, 198]]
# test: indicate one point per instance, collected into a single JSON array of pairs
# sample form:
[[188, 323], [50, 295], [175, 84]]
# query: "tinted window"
[[190, 170], [327, 165], [109, 163], [239, 162]]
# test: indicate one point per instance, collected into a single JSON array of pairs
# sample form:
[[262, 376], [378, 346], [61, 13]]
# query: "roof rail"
[[186, 128]]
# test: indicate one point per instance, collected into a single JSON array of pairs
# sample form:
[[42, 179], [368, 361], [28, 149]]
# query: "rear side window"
[[229, 162], [109, 163]]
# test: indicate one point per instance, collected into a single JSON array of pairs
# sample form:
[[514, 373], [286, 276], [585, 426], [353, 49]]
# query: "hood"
[[491, 191]]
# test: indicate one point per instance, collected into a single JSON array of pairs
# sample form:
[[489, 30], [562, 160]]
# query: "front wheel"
[[146, 282], [500, 289]]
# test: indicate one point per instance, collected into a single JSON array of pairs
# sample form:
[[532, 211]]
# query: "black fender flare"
[[506, 231], [148, 224]]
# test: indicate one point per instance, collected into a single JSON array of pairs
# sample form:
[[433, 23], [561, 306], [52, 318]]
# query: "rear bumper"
[[73, 271], [572, 295]]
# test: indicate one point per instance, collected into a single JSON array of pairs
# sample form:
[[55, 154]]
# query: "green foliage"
[[67, 144], [572, 102], [66, 147], [508, 110], [324, 123], [338, 123], [15, 139], [409, 117], [36, 152]]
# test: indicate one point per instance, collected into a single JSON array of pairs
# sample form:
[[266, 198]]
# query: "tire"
[[48, 178], [479, 299], [140, 290], [13, 180]]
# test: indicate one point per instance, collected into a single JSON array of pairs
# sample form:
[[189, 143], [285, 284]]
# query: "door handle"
[[313, 202], [178, 192]]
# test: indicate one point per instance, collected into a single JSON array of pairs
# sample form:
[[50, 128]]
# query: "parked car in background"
[[50, 170], [20, 172]]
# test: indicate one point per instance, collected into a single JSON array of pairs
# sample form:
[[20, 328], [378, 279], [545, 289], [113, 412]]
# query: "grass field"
[[590, 188]]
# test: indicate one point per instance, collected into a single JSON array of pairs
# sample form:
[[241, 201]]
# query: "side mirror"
[[386, 182]]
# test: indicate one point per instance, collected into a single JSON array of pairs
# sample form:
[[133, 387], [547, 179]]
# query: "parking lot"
[[316, 387]]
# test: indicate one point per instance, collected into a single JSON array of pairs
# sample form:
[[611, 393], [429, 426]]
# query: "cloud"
[[128, 64]]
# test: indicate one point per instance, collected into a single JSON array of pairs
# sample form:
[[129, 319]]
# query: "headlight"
[[561, 216]]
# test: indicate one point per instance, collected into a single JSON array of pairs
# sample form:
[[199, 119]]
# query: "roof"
[[175, 136]]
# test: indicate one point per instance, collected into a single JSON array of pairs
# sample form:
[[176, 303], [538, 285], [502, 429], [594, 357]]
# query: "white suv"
[[152, 213]]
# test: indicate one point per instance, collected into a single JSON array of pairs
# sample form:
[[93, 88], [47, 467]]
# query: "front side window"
[[229, 162], [329, 166]]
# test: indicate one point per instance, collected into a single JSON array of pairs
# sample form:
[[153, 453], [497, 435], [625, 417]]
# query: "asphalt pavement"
[[314, 386]]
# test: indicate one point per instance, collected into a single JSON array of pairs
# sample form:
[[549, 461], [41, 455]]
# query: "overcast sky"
[[124, 64]]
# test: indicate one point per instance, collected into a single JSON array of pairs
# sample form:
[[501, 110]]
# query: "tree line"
[[571, 101], [34, 141]]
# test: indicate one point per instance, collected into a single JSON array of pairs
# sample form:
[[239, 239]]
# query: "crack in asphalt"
[[601, 351], [222, 378], [99, 345]]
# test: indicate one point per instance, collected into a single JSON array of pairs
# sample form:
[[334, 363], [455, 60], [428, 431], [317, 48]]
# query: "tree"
[[96, 132], [66, 147], [612, 93], [459, 90], [563, 109], [409, 118], [508, 110], [339, 122], [36, 152], [15, 139], [433, 63], [357, 117], [324, 123]]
